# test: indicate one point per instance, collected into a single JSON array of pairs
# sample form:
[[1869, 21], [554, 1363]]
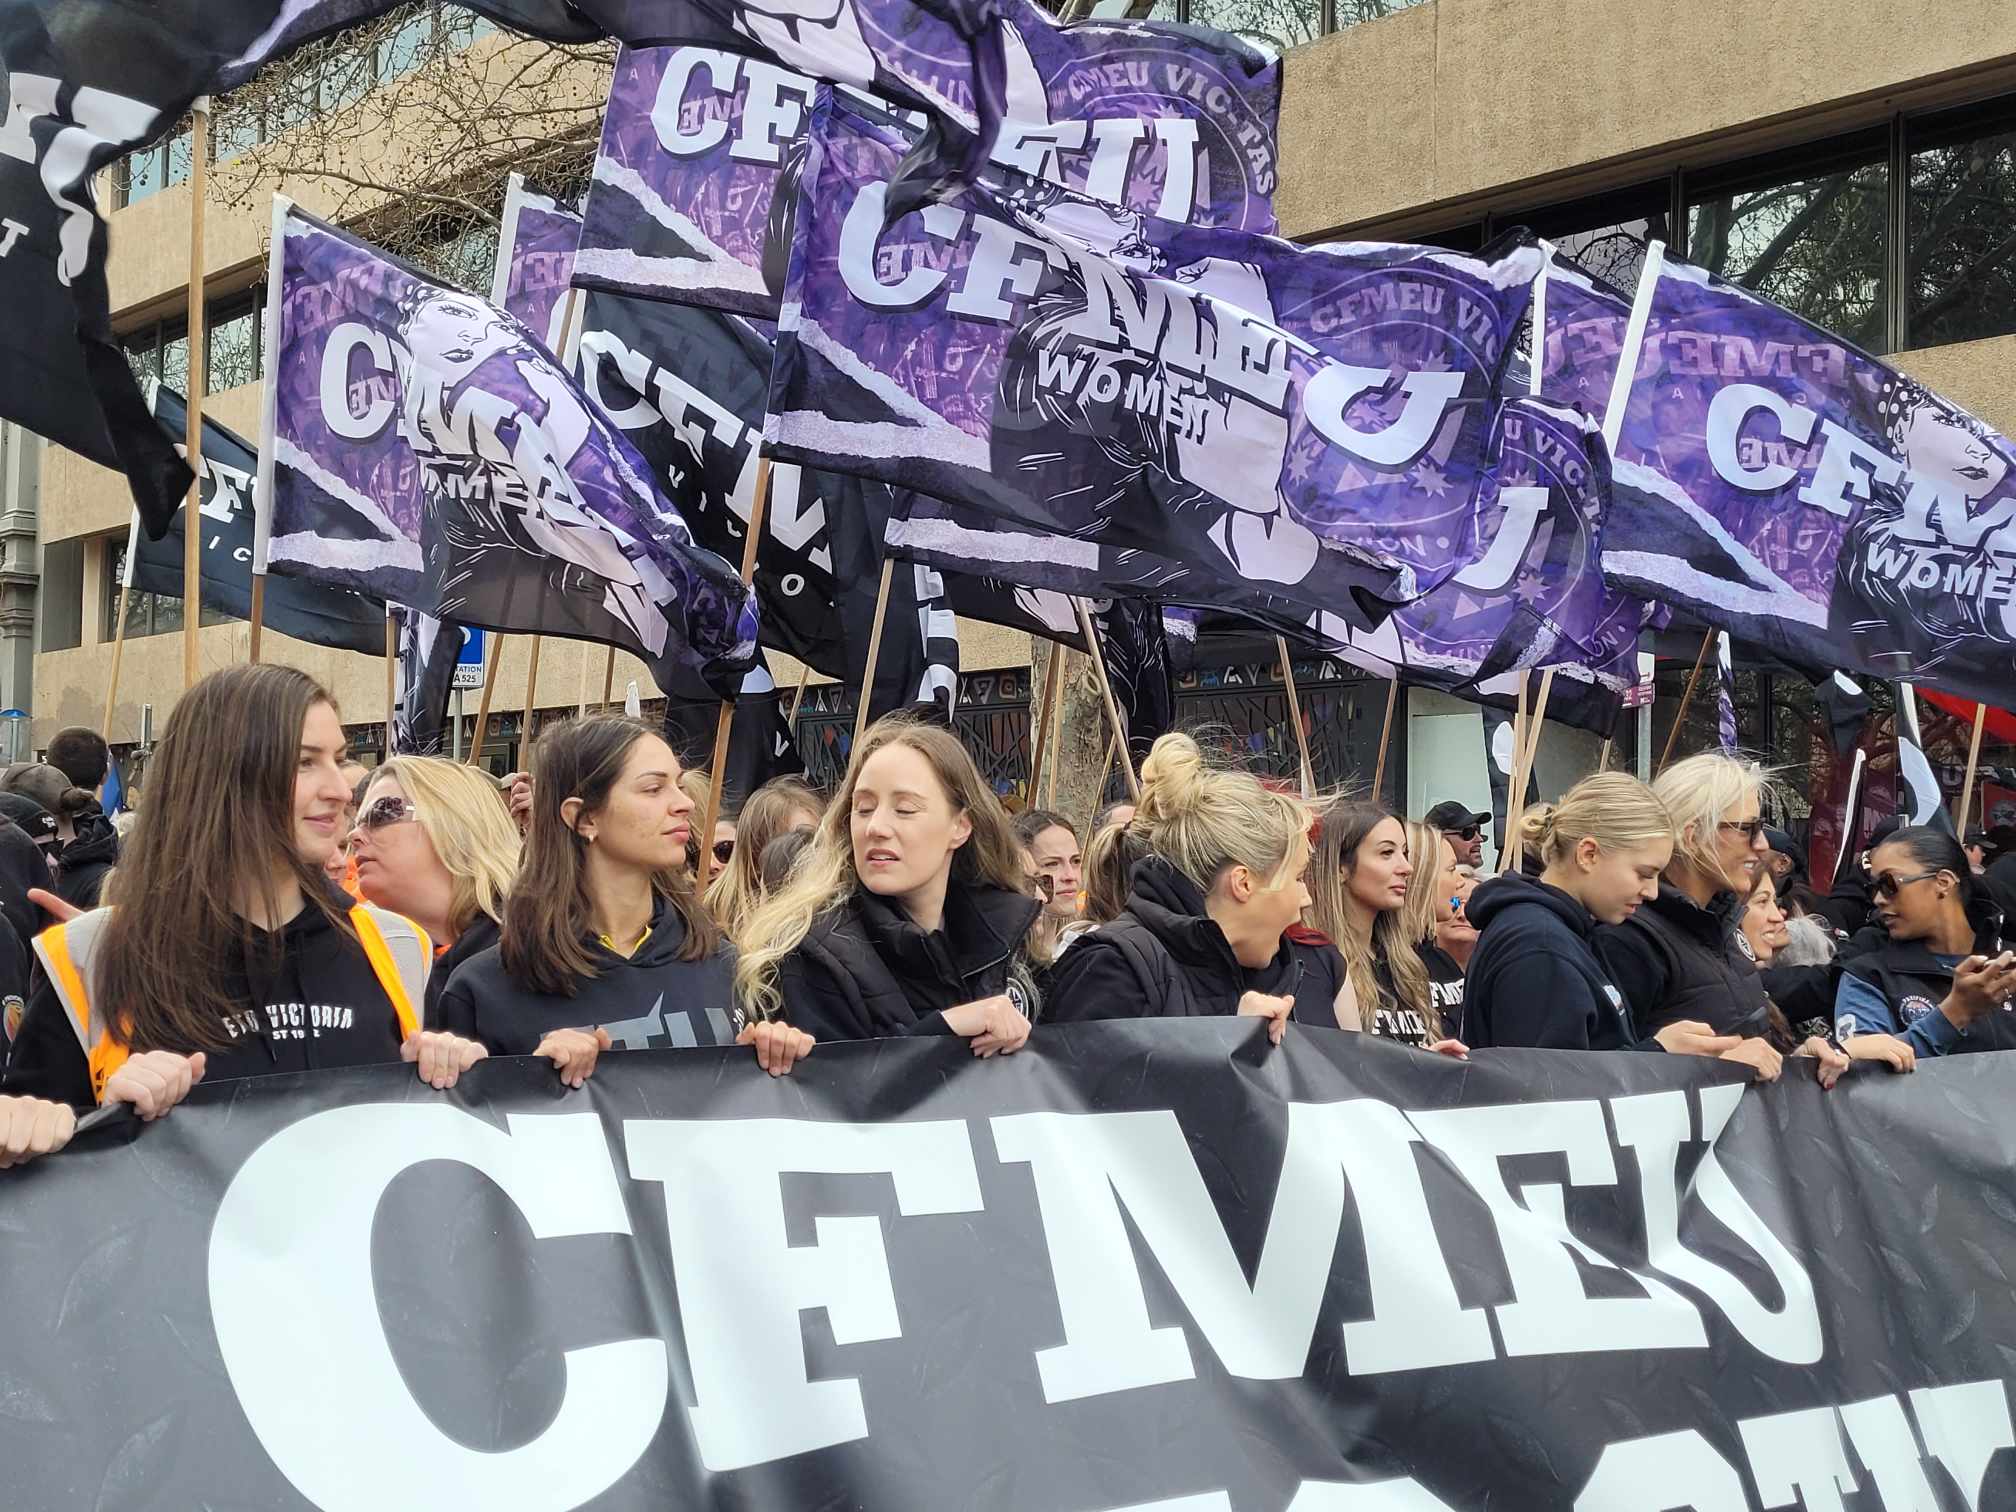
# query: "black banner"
[[1138, 1265], [300, 607]]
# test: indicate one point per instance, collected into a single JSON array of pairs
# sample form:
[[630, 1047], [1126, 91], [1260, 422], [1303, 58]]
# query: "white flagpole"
[[1634, 345]]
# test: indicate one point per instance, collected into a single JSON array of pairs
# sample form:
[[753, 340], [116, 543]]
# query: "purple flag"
[[1774, 481], [1263, 415], [535, 263], [696, 175], [1584, 320], [421, 446]]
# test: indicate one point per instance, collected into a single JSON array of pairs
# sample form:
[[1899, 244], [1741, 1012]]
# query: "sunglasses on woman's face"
[[1749, 829], [724, 850], [1890, 884], [387, 810]]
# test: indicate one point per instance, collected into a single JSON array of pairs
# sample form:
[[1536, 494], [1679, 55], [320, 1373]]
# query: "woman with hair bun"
[[1941, 982], [909, 913], [1210, 905], [1680, 957], [780, 806], [1535, 978]]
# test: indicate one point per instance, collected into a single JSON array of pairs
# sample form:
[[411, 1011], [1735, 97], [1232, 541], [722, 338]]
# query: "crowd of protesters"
[[276, 908]]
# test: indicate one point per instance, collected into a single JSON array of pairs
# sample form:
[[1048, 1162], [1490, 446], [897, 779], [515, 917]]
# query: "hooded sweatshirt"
[[1166, 957], [307, 1000], [650, 1000], [81, 866], [1535, 979]]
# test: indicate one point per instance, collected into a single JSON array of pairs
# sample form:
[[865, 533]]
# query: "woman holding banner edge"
[[229, 954]]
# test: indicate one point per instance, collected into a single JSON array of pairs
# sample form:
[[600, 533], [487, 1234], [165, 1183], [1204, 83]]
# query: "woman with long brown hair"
[[228, 953], [605, 941], [909, 913]]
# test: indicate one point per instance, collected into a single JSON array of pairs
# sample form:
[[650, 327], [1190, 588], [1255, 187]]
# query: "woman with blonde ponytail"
[[908, 912], [1535, 978], [1681, 956], [1210, 905]]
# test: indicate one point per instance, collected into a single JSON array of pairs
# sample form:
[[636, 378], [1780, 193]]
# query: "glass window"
[[403, 50], [1817, 245], [181, 150], [1352, 12], [1961, 221], [175, 362], [233, 347], [143, 354], [143, 174], [1274, 24], [235, 128]]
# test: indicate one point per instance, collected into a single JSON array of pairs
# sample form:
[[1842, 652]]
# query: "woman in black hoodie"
[[908, 913], [1679, 957], [1205, 930], [604, 941], [434, 841], [1535, 979], [228, 953]]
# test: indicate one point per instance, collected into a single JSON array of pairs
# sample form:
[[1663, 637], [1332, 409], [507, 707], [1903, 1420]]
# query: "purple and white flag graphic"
[[422, 446], [1776, 482], [1262, 414], [696, 175], [1725, 693], [535, 263]]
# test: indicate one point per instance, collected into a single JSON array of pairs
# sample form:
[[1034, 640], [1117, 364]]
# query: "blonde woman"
[[909, 912], [1365, 899], [1535, 978], [1435, 896], [434, 840], [1204, 928], [778, 807], [1678, 957]]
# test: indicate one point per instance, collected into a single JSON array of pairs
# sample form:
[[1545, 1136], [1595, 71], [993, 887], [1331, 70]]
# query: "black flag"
[[423, 678], [297, 607], [760, 743]]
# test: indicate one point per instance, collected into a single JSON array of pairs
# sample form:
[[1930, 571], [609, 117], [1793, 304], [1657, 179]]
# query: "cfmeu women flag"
[[1310, 419], [422, 446], [1775, 480]]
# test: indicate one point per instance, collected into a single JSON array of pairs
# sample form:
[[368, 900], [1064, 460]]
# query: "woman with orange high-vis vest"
[[226, 952]]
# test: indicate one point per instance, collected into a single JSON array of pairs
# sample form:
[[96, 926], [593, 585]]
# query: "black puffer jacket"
[[865, 971], [1675, 960], [1165, 957]]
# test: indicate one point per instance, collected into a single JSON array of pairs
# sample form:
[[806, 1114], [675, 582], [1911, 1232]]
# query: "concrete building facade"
[[1857, 163]]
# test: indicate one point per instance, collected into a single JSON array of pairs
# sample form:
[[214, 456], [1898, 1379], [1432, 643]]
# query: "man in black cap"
[[1463, 827]]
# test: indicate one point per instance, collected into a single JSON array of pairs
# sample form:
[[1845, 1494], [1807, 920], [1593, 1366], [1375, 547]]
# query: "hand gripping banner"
[[1263, 414], [697, 172], [1135, 1266], [1776, 482]]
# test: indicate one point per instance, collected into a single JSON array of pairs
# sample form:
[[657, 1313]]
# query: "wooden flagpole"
[[1538, 724], [1973, 765], [1295, 717], [804, 672], [192, 531], [1526, 752], [866, 696], [531, 707], [1515, 801], [608, 679], [483, 704], [1686, 697], [718, 772], [1112, 703], [119, 634], [1385, 737], [1041, 730], [581, 685]]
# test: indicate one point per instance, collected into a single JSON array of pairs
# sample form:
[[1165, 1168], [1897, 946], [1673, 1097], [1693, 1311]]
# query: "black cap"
[[1451, 815], [30, 815]]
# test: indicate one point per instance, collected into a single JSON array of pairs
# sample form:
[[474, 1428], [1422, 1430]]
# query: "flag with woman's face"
[[423, 447]]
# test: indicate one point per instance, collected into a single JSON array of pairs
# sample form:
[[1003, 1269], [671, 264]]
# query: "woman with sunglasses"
[[434, 840], [1678, 958], [227, 953], [1941, 982], [779, 806], [604, 941]]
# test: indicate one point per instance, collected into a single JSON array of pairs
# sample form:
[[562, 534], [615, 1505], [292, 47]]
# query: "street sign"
[[469, 661]]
